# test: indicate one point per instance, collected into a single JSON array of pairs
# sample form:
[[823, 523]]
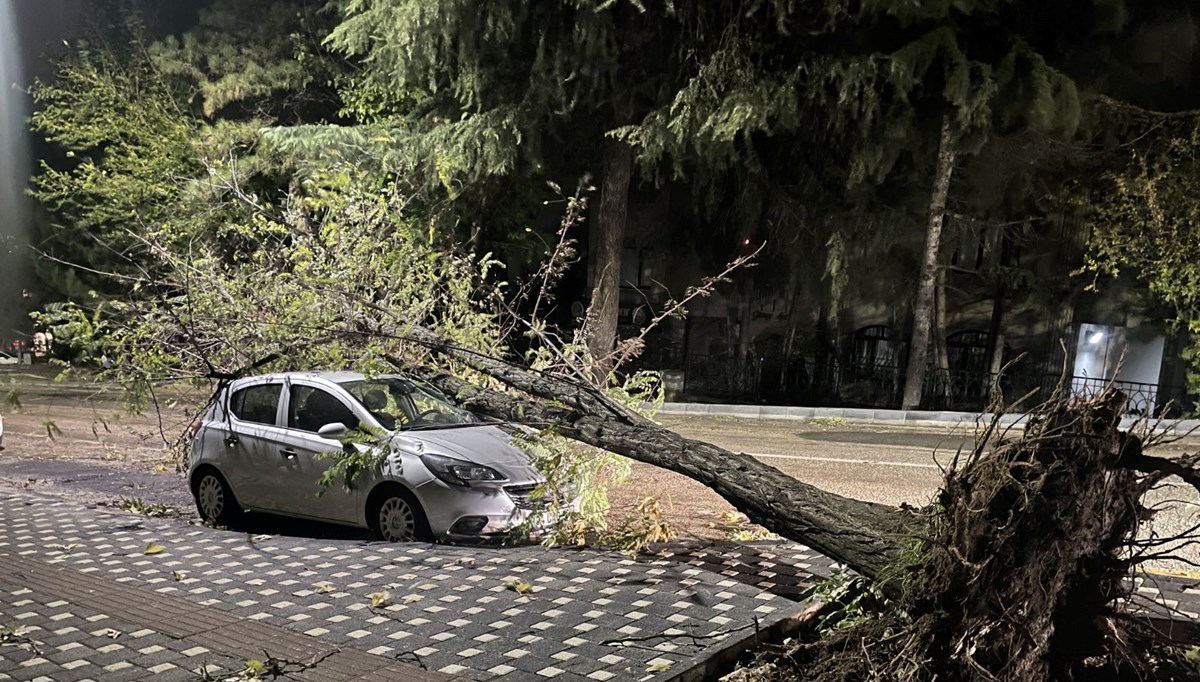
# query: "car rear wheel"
[[398, 518], [215, 501]]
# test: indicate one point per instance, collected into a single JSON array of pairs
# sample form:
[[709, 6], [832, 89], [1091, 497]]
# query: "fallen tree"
[[1019, 571], [1016, 573]]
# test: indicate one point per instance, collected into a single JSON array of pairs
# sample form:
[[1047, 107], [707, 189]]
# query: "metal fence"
[[1149, 400], [834, 384]]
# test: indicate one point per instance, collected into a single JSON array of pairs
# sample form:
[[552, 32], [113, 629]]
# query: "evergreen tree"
[[694, 89], [145, 131], [885, 83], [515, 88]]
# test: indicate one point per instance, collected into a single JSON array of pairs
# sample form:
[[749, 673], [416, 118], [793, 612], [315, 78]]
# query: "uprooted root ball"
[[1022, 576]]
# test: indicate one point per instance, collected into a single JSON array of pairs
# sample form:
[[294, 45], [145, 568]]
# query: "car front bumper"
[[476, 513]]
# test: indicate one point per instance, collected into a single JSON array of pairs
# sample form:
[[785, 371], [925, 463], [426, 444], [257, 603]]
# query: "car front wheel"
[[400, 519], [215, 501]]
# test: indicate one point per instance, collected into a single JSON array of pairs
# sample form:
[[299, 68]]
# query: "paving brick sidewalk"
[[73, 576], [92, 606]]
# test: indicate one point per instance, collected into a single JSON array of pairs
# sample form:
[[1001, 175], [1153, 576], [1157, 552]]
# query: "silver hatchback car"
[[445, 474]]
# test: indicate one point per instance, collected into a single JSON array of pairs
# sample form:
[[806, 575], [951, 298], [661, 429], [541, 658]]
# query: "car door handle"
[[288, 453]]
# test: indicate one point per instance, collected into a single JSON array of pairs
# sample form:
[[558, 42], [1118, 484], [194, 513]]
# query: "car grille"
[[521, 494]]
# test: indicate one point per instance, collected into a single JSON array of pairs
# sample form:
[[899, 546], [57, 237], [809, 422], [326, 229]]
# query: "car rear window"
[[257, 404]]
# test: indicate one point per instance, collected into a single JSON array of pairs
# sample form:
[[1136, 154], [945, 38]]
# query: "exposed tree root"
[[1022, 578]]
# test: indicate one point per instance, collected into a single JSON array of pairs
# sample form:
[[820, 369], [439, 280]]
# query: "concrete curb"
[[884, 417]]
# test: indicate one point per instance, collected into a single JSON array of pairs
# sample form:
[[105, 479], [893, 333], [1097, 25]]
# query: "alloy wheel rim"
[[212, 497], [396, 520]]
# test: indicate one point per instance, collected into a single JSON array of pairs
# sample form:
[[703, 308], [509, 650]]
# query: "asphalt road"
[[895, 465], [889, 465]]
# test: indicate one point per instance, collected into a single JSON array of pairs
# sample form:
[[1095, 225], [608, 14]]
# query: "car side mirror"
[[332, 431]]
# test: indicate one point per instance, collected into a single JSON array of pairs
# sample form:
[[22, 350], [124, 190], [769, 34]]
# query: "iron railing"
[[834, 384]]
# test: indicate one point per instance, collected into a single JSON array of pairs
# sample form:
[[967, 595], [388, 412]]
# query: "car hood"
[[484, 444]]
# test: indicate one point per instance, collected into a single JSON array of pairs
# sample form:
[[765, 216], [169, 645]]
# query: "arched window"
[[875, 346]]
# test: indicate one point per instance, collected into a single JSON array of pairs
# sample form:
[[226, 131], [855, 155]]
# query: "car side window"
[[258, 404], [311, 408]]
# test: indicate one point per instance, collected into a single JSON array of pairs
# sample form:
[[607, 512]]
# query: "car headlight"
[[458, 472]]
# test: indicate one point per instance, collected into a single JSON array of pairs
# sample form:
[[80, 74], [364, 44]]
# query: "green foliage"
[[338, 246], [573, 502], [127, 144], [546, 59], [151, 133], [855, 600], [1145, 223], [644, 526], [870, 103], [259, 61], [241, 265], [360, 453], [253, 669]]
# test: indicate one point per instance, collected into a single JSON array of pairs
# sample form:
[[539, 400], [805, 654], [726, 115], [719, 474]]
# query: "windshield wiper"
[[432, 427]]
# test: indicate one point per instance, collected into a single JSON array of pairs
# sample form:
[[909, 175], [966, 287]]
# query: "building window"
[[874, 347], [967, 351], [641, 268]]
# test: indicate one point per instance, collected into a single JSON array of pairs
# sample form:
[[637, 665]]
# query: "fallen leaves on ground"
[[153, 548], [520, 587]]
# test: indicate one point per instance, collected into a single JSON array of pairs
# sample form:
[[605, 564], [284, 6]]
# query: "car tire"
[[215, 500], [396, 516]]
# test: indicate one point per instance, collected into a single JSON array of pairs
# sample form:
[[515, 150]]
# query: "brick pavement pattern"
[[588, 615], [192, 631], [92, 606]]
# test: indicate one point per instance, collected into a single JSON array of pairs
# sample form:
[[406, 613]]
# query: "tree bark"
[[995, 347], [609, 240], [942, 384], [923, 312], [939, 335], [865, 536]]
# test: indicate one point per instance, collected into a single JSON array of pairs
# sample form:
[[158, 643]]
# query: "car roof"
[[336, 377]]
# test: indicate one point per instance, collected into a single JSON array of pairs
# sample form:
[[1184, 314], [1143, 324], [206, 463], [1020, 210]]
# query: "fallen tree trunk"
[[865, 536]]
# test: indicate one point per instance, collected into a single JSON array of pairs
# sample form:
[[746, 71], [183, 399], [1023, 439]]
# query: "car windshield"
[[399, 403]]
